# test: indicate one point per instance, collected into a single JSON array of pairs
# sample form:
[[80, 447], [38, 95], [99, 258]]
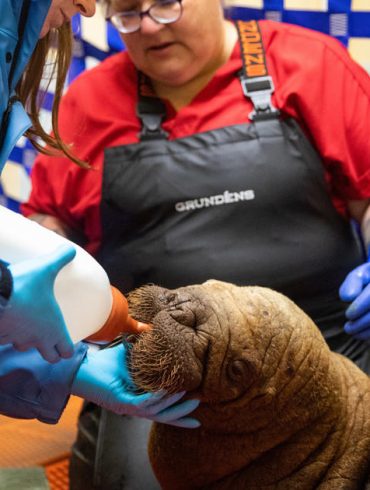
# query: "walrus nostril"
[[167, 297]]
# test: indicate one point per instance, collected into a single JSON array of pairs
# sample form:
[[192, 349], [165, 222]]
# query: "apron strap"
[[256, 83], [151, 110]]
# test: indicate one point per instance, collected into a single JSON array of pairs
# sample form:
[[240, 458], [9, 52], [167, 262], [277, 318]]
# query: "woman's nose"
[[86, 7], [149, 26]]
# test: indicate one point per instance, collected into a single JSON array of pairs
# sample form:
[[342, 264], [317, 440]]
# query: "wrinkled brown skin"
[[278, 409]]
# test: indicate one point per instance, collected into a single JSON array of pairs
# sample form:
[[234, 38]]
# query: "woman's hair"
[[44, 67]]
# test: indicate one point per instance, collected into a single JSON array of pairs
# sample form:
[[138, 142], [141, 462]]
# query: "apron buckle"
[[259, 90], [151, 111], [151, 128]]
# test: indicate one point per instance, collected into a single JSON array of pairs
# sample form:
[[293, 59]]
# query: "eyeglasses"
[[162, 12]]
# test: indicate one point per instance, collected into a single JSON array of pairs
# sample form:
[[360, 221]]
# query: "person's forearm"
[[365, 227], [50, 222], [58, 226], [31, 388], [360, 211]]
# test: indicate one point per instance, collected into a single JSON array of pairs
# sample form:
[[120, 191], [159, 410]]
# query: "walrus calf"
[[278, 409]]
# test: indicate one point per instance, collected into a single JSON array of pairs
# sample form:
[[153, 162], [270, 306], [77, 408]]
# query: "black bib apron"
[[246, 204]]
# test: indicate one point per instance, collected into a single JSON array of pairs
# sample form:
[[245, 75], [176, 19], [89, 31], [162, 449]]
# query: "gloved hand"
[[356, 289], [103, 378], [31, 316]]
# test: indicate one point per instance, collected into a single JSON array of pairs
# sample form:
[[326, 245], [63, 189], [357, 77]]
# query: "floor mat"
[[35, 456], [57, 474], [26, 443], [23, 479]]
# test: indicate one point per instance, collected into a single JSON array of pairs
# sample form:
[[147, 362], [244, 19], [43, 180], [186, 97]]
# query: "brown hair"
[[28, 90]]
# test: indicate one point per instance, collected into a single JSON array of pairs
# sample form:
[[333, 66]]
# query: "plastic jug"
[[90, 305]]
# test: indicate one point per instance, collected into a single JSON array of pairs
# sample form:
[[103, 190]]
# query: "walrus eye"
[[238, 371]]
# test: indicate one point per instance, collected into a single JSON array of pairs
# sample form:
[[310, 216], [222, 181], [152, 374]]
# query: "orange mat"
[[26, 443], [57, 474]]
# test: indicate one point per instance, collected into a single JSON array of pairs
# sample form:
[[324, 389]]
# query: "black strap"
[[21, 30], [6, 281], [6, 117], [151, 110], [256, 83], [255, 80]]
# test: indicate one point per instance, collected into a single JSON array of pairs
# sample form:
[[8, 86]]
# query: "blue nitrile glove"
[[356, 289], [31, 317], [103, 378]]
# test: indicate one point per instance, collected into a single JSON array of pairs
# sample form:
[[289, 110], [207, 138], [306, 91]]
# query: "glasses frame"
[[141, 15]]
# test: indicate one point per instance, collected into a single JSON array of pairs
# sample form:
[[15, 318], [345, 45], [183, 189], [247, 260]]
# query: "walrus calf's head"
[[274, 399]]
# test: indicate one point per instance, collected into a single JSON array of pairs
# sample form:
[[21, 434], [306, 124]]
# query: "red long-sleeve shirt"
[[316, 82]]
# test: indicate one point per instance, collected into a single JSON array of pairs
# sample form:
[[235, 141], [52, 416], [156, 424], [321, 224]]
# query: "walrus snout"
[[147, 301], [170, 355]]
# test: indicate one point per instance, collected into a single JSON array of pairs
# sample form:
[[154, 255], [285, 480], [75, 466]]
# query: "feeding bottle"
[[91, 307]]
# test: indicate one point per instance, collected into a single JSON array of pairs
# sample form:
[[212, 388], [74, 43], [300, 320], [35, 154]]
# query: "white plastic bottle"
[[82, 289]]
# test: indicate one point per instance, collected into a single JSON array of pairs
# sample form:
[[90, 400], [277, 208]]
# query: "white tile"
[[360, 51], [321, 5], [361, 5], [94, 29], [15, 181], [256, 4]]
